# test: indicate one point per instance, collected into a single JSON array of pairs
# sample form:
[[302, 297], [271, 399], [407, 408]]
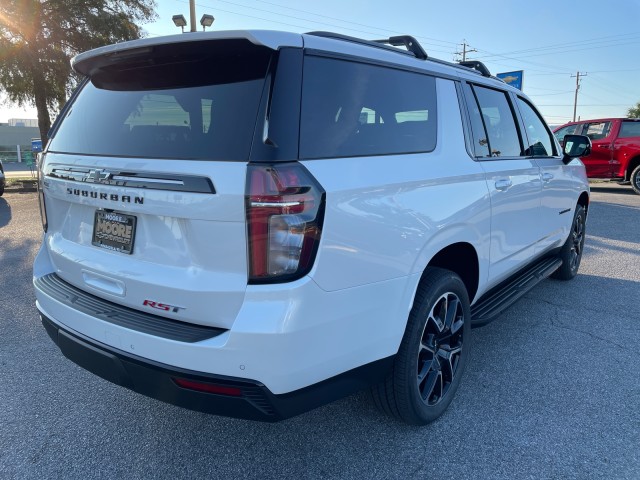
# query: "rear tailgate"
[[188, 256], [144, 177]]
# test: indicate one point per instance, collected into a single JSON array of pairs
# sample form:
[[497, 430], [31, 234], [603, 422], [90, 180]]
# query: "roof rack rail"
[[411, 44], [478, 66], [407, 41]]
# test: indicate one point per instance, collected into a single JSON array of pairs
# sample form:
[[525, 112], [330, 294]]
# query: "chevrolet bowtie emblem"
[[98, 176]]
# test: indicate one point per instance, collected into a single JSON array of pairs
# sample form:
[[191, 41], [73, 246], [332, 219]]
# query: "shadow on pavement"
[[5, 212], [614, 221], [612, 188]]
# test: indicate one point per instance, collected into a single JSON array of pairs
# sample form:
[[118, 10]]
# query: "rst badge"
[[114, 231], [165, 307]]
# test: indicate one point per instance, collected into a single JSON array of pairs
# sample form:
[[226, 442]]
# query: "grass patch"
[[19, 180]]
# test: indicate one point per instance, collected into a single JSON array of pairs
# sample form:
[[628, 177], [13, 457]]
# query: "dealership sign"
[[512, 78]]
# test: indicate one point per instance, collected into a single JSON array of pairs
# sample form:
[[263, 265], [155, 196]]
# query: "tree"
[[38, 38], [634, 112]]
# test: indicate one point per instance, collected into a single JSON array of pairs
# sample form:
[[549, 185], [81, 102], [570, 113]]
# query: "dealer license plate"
[[114, 231]]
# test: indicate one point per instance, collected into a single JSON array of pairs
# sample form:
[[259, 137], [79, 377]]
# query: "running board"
[[498, 299]]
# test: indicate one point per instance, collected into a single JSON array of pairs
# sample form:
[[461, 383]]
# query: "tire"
[[571, 252], [1, 189], [433, 352], [635, 179]]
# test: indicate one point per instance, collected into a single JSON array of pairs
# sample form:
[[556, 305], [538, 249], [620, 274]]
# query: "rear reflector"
[[208, 387]]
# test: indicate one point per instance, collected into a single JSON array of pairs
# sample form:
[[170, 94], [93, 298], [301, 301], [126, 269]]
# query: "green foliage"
[[38, 38], [634, 112]]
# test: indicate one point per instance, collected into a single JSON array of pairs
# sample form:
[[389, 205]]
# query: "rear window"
[[629, 129], [353, 109], [199, 102]]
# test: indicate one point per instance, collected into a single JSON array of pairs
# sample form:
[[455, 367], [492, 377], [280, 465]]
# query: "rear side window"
[[499, 122], [629, 129], [568, 130], [598, 130], [539, 139], [353, 109], [201, 106]]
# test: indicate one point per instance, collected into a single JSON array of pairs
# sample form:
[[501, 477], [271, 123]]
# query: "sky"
[[550, 40]]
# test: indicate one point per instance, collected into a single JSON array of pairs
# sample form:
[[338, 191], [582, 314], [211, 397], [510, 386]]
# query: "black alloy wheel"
[[635, 179], [440, 349], [571, 252], [433, 352], [577, 241]]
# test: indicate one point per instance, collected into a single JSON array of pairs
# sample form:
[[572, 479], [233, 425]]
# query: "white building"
[[23, 122]]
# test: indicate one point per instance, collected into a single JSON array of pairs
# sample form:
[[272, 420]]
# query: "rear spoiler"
[[88, 62]]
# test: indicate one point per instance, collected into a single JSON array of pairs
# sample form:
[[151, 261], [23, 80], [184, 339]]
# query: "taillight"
[[43, 209], [285, 208]]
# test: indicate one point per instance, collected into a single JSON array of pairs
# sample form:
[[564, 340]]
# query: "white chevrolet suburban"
[[256, 223]]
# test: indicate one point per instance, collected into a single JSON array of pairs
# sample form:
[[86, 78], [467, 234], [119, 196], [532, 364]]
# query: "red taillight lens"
[[285, 207], [208, 387]]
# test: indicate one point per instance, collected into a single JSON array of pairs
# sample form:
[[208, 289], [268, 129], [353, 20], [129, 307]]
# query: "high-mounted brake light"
[[285, 208]]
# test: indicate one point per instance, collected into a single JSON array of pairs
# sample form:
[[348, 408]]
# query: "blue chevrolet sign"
[[36, 145], [512, 78]]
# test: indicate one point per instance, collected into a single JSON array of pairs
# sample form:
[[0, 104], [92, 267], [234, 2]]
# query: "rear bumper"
[[156, 380]]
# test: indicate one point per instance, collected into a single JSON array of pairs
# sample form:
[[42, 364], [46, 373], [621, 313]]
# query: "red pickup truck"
[[615, 151]]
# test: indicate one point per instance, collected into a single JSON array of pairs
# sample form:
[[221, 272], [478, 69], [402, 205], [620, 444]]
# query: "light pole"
[[180, 21], [206, 21], [192, 14]]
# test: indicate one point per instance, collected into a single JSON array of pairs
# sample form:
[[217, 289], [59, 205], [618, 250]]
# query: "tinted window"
[[629, 129], [568, 130], [539, 143], [480, 137], [499, 122], [351, 109], [597, 131], [203, 109]]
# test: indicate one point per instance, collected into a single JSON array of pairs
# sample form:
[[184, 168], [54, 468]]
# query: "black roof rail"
[[413, 47], [478, 66], [407, 41]]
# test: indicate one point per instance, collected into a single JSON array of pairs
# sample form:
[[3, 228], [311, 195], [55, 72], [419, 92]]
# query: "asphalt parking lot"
[[552, 390]]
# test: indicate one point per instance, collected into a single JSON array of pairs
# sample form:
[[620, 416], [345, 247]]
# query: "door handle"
[[503, 184], [547, 177]]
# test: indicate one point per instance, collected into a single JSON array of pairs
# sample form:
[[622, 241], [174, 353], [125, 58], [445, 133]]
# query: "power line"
[[549, 94], [519, 60], [581, 43], [314, 22], [341, 20], [583, 105]]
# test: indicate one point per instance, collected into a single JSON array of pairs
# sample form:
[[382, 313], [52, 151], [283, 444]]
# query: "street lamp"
[[179, 21], [206, 21]]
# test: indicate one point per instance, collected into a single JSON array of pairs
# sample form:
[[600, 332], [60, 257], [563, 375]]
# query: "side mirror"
[[575, 146]]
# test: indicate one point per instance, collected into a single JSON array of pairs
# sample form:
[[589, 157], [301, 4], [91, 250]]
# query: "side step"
[[498, 299]]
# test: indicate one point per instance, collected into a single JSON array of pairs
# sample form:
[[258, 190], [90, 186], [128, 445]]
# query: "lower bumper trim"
[[156, 380]]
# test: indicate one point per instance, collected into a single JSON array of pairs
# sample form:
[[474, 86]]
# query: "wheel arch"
[[462, 259], [584, 200], [631, 166]]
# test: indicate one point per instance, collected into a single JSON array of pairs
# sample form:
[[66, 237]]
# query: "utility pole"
[[192, 13], [465, 50], [575, 99]]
